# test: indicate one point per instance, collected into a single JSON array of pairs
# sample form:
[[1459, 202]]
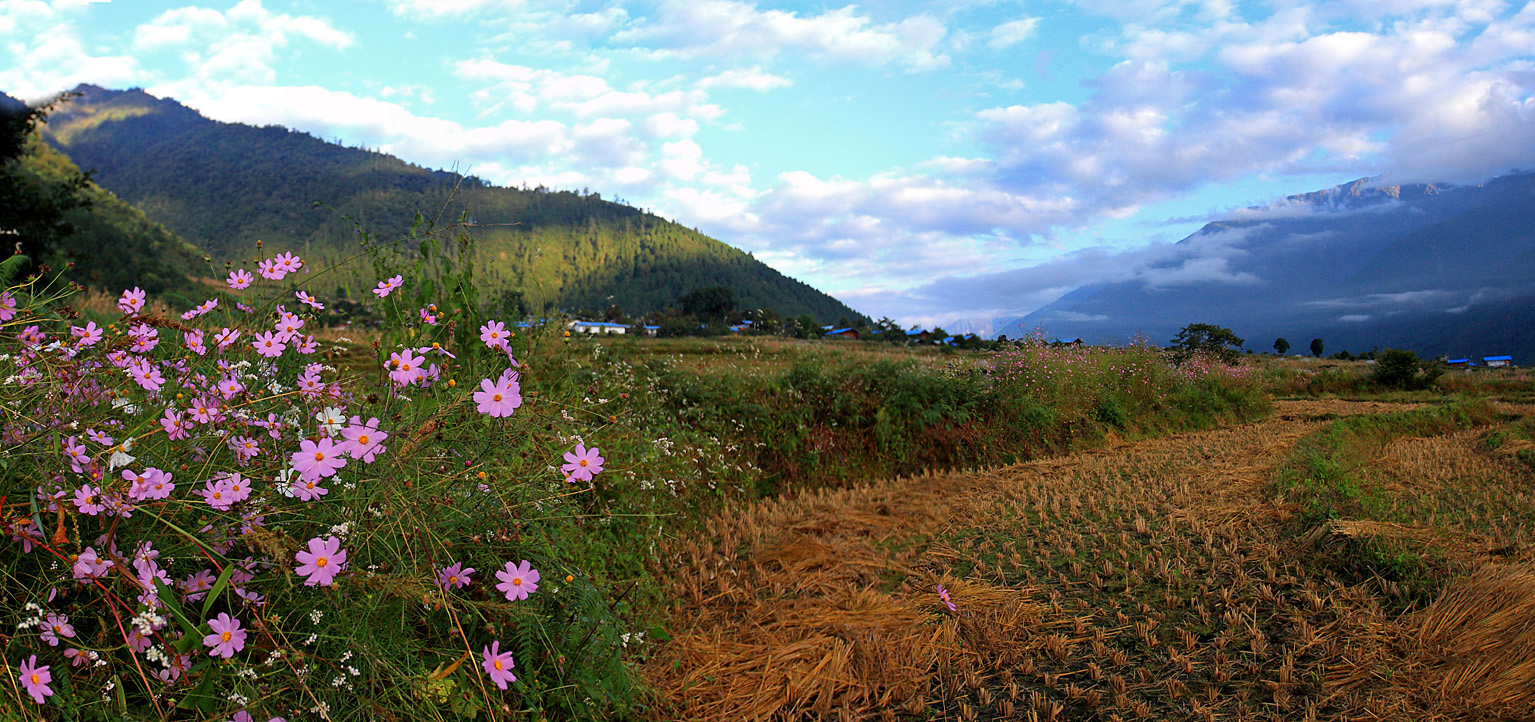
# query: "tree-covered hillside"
[[223, 186], [58, 217]]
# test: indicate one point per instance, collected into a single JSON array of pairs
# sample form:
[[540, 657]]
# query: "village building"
[[597, 327]]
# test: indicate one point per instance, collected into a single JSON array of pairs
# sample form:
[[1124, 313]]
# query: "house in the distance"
[[847, 333], [1460, 363], [1498, 362], [597, 327]]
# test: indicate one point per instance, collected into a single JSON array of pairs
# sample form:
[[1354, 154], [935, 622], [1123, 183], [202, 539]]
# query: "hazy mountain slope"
[[225, 185], [1440, 270]]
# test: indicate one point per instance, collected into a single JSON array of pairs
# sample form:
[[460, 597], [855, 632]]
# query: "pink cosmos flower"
[[175, 427], [132, 301], [204, 410], [305, 344], [500, 398], [227, 637], [145, 338], [309, 301], [269, 344], [362, 441], [315, 461], [216, 493], [90, 566], [226, 338], [518, 581], [56, 626], [88, 500], [944, 595], [197, 586], [8, 311], [454, 576], [288, 326], [307, 490], [582, 464], [35, 679], [384, 287], [498, 664], [288, 263], [407, 367], [322, 562], [89, 335], [240, 279], [269, 270], [147, 376], [194, 342], [494, 334], [150, 485]]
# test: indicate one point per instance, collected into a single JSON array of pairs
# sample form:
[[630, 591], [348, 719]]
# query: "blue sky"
[[888, 153]]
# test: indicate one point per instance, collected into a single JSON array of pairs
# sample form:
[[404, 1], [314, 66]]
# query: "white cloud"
[[239, 45], [47, 53], [749, 78], [1012, 32], [442, 9], [727, 29]]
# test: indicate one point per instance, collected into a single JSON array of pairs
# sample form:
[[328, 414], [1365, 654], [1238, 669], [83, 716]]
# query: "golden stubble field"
[[1158, 579]]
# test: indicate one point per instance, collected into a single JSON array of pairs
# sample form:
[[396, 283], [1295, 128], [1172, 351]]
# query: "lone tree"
[[1316, 347], [1401, 369], [1281, 346], [1205, 338], [709, 304]]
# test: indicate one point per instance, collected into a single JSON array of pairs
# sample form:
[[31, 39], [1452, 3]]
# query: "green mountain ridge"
[[223, 186]]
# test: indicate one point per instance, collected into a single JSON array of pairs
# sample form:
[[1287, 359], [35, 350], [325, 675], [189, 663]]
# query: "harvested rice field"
[[1339, 560]]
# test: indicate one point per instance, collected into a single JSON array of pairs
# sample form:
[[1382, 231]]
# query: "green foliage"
[[32, 207], [1204, 338], [1325, 473], [708, 304], [1401, 369], [824, 422], [1316, 347], [1281, 346]]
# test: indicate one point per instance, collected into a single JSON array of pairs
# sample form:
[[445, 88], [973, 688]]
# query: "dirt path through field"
[[1142, 580]]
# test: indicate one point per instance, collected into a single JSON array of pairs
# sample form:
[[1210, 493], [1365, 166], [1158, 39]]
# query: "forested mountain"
[[223, 186], [60, 218], [1440, 270]]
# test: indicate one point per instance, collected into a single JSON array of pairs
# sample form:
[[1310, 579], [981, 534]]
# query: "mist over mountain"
[[223, 186], [1440, 270]]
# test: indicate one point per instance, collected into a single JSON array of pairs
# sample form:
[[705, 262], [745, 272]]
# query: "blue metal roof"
[[1497, 358], [1458, 361], [837, 331]]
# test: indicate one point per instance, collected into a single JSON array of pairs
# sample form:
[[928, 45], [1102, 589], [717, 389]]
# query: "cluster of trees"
[[53, 215], [1282, 347]]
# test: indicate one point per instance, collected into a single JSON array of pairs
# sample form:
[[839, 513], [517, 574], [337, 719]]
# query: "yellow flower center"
[[319, 456], [516, 581], [583, 462], [224, 636], [496, 397], [362, 438], [499, 668], [321, 562]]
